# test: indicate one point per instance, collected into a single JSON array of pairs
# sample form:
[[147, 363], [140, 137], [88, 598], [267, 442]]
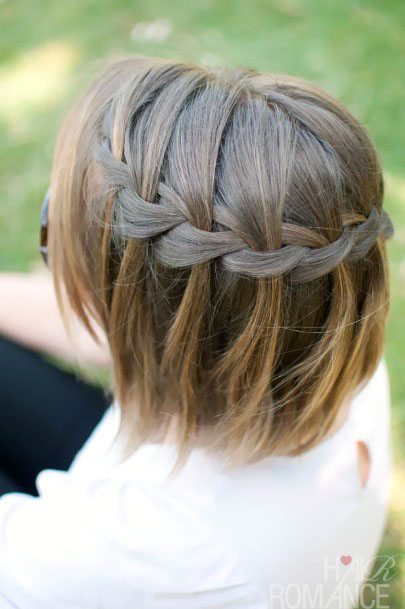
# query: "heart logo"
[[345, 560]]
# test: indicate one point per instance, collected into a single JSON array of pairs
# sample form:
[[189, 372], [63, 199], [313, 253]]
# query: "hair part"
[[226, 229]]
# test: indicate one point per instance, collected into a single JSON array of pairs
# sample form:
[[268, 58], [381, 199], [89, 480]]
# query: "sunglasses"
[[43, 236]]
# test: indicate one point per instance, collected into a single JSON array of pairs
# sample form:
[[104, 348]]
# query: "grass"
[[48, 50]]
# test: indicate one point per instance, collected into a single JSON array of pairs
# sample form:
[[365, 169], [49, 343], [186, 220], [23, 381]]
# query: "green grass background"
[[354, 49]]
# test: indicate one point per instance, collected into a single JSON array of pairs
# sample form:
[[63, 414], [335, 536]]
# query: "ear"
[[364, 462]]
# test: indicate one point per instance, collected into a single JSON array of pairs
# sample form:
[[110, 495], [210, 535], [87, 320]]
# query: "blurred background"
[[354, 49]]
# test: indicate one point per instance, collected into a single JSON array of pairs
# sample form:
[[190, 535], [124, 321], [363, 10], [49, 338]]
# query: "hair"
[[225, 227]]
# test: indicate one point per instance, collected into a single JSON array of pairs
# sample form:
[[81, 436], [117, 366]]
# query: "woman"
[[225, 230]]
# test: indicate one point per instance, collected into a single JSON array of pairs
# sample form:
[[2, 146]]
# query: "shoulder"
[[85, 540]]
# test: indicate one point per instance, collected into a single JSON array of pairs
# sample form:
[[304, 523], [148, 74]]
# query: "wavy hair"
[[226, 229]]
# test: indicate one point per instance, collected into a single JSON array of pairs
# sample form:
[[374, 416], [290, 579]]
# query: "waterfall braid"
[[226, 229]]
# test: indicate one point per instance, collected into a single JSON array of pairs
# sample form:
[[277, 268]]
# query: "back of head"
[[226, 228]]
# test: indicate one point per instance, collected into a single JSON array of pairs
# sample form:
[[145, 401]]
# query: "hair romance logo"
[[344, 581]]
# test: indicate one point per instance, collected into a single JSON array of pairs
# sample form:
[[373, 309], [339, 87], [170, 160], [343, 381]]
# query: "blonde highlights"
[[226, 229]]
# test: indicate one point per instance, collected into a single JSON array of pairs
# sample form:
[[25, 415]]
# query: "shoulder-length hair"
[[226, 229]]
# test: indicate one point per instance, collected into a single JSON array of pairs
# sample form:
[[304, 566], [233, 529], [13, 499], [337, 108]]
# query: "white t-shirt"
[[282, 531]]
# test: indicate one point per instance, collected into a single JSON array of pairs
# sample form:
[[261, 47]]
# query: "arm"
[[29, 314]]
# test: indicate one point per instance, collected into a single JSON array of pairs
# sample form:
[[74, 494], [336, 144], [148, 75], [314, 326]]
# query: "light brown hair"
[[226, 229]]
